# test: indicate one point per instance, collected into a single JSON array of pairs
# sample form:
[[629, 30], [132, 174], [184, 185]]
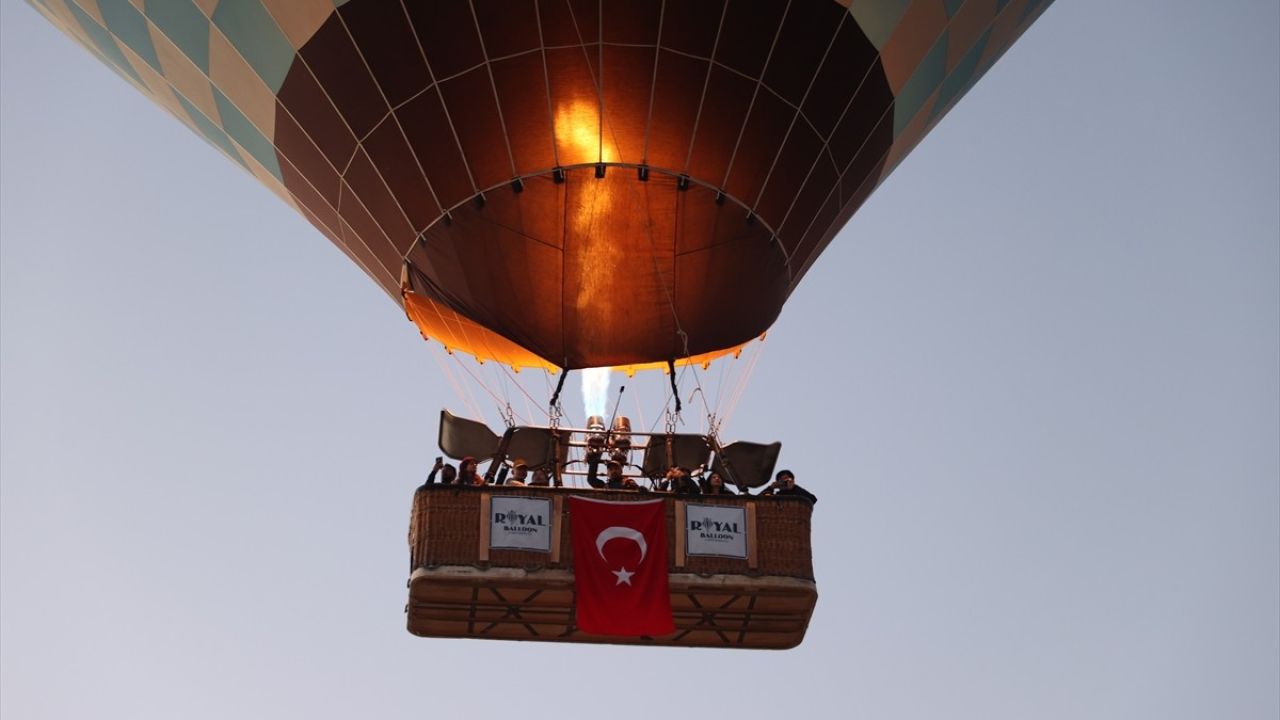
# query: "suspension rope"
[[720, 383], [481, 383], [639, 410], [463, 392], [671, 371], [554, 405], [520, 386], [506, 396], [746, 376]]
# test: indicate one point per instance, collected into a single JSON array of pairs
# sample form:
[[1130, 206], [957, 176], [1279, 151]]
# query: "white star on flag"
[[623, 576]]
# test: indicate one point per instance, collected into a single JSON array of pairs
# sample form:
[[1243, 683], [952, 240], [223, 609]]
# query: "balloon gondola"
[[563, 185], [466, 582]]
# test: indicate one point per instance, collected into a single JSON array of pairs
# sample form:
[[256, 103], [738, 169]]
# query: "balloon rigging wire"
[[724, 365], [471, 342], [461, 389], [394, 118], [431, 74], [795, 119], [461, 326], [639, 410], [742, 131], [653, 84], [497, 102], [509, 413], [528, 397], [481, 383], [528, 407], [739, 387], [546, 80], [745, 380], [463, 392]]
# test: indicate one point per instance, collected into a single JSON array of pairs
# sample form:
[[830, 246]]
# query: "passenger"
[[715, 486], [467, 472], [616, 480], [784, 483], [679, 482], [519, 471], [450, 474], [613, 475], [541, 478]]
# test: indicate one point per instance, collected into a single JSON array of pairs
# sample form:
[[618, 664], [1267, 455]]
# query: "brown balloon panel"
[[605, 271], [462, 137]]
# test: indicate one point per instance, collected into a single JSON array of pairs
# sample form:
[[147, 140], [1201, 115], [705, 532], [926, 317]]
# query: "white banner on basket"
[[716, 530], [520, 523]]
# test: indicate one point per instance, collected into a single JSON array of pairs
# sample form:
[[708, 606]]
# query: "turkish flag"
[[620, 567]]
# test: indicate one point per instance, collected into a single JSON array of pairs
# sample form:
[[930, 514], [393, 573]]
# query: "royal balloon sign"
[[520, 523], [716, 530]]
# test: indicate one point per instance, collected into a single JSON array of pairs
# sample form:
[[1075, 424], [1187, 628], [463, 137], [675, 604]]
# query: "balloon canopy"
[[563, 183]]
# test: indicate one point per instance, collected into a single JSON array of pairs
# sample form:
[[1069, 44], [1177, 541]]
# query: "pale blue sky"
[[1034, 383]]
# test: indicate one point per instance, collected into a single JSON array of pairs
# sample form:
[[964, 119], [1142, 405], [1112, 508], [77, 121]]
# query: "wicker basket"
[[460, 587]]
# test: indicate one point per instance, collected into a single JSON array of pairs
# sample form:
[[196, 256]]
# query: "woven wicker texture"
[[447, 531]]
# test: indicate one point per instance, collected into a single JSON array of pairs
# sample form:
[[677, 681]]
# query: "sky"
[[1034, 383]]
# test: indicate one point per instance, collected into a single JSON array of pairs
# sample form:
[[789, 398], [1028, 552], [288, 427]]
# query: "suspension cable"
[[463, 392]]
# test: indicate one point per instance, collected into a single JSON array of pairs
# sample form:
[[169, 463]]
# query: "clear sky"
[[1034, 382]]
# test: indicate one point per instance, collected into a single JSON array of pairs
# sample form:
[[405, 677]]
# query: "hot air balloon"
[[569, 184]]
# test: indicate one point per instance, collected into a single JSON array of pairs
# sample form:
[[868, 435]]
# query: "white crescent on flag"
[[625, 533]]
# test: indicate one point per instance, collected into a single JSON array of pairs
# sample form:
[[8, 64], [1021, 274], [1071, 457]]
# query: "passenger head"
[[540, 477], [520, 470], [614, 470], [449, 475], [785, 478], [467, 466], [715, 482]]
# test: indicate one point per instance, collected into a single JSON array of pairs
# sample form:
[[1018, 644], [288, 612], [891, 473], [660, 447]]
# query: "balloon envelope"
[[563, 183]]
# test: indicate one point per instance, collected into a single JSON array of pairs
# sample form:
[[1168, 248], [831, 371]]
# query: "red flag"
[[620, 567]]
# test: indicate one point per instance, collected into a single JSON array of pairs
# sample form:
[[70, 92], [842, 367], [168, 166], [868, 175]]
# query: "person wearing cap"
[[784, 483], [615, 479], [519, 471]]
